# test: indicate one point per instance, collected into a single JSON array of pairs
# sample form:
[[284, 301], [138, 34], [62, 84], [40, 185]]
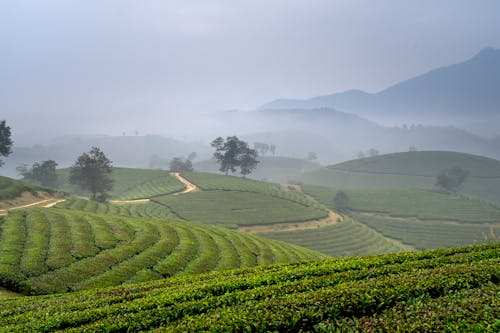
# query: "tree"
[[451, 179], [179, 165], [234, 153], [5, 141], [341, 201], [311, 156], [43, 173], [91, 172], [372, 152], [192, 156]]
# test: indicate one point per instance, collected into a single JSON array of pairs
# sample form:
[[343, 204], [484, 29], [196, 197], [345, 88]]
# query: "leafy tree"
[[341, 201], [192, 156], [43, 173], [91, 172], [234, 153], [451, 179], [179, 165], [5, 140]]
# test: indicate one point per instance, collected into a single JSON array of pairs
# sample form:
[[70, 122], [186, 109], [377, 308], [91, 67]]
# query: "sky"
[[113, 66]]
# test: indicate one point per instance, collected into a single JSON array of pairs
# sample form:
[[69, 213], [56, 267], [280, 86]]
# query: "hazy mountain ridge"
[[455, 94]]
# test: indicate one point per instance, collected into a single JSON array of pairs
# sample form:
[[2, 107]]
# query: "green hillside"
[[271, 168], [411, 169], [436, 291], [11, 188], [58, 250], [418, 218], [131, 183]]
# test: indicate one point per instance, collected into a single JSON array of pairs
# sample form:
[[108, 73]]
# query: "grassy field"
[[233, 208], [59, 250], [411, 169], [131, 183], [346, 238], [11, 188], [436, 291]]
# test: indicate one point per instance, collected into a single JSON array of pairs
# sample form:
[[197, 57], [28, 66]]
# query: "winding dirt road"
[[190, 187], [51, 203]]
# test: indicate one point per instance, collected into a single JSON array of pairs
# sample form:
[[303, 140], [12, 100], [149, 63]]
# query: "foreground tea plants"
[[58, 250], [442, 290]]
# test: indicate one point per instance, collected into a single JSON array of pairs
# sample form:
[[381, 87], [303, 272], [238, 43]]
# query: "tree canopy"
[[91, 172], [177, 164], [451, 179], [43, 173], [234, 153], [5, 140]]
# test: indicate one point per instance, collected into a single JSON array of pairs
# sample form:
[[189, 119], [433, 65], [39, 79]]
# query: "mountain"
[[465, 94]]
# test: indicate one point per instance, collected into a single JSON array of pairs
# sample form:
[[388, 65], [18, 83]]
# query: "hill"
[[130, 183], [15, 194], [59, 250], [411, 169], [460, 93], [270, 168], [441, 290]]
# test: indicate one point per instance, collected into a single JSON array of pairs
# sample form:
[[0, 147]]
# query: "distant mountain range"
[[465, 95]]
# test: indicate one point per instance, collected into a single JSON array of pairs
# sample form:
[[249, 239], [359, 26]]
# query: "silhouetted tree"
[[451, 179], [234, 153], [5, 140], [92, 172], [341, 201], [177, 164]]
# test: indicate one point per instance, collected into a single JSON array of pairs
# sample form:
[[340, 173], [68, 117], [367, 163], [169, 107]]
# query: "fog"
[[175, 68]]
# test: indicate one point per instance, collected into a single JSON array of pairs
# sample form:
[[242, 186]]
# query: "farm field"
[[131, 183], [59, 250], [346, 238], [233, 208], [441, 290], [411, 169]]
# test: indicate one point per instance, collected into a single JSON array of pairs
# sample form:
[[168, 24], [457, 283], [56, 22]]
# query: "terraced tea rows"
[[232, 208], [346, 238], [147, 210], [424, 204], [164, 184], [212, 182], [431, 234], [59, 250], [435, 291]]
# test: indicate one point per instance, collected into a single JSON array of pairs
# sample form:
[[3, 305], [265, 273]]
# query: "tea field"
[[445, 290]]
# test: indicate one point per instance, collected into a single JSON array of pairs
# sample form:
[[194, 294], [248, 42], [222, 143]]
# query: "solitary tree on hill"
[[451, 179], [177, 164], [341, 201], [5, 140], [91, 172], [234, 153]]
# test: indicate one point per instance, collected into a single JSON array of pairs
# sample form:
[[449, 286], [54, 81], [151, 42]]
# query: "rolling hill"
[[442, 290], [59, 250], [411, 169]]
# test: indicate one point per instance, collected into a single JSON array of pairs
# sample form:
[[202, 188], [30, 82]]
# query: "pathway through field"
[[332, 218], [48, 203], [190, 187]]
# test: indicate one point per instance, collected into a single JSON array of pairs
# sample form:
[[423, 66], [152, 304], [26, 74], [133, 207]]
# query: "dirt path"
[[190, 187], [134, 201], [332, 218], [50, 202]]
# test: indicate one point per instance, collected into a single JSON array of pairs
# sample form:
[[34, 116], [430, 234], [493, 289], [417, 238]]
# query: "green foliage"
[[43, 173], [11, 188], [91, 172], [436, 291], [451, 179], [341, 201], [57, 250], [5, 140], [234, 153]]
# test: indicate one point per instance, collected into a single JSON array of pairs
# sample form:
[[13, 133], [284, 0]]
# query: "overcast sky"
[[139, 64]]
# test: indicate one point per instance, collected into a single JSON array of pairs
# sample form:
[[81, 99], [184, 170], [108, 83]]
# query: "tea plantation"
[[445, 290]]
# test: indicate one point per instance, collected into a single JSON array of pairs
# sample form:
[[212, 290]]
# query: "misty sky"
[[146, 64]]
